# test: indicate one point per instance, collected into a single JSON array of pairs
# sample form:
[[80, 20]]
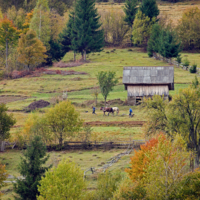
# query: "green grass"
[[84, 159]]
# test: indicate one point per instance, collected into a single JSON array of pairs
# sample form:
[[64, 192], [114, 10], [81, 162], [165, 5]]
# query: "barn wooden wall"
[[145, 90]]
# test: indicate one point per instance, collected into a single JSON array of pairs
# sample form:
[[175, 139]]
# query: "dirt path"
[[116, 123], [7, 99]]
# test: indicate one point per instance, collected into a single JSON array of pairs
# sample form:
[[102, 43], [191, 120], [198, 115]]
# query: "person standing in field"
[[93, 110], [130, 112]]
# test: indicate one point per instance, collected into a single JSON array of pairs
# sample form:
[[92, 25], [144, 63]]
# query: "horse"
[[105, 109], [115, 109]]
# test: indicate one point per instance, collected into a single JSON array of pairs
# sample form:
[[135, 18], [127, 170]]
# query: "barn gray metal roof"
[[149, 75]]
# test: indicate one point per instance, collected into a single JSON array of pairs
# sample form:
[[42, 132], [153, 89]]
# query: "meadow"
[[19, 93]]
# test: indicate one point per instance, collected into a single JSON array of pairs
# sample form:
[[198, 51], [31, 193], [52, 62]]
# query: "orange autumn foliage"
[[26, 24], [139, 162]]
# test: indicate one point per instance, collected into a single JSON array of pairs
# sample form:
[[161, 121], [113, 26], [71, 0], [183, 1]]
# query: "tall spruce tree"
[[169, 46], [40, 22], [86, 33], [130, 11], [32, 169], [153, 42], [149, 8]]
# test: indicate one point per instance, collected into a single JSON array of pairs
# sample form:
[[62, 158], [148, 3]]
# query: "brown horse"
[[105, 109]]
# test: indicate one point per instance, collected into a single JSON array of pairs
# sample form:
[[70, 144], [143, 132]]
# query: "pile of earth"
[[37, 104]]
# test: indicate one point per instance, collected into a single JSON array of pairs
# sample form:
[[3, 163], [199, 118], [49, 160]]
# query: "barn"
[[147, 81]]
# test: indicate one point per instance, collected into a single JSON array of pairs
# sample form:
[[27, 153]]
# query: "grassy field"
[[170, 11], [85, 159], [50, 87]]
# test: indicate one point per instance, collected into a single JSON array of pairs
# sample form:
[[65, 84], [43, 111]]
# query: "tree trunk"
[[105, 102], [84, 55], [96, 101], [74, 56], [2, 145], [40, 25], [7, 56], [60, 140]]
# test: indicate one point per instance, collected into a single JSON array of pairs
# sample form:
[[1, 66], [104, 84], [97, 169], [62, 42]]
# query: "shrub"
[[186, 63], [193, 69]]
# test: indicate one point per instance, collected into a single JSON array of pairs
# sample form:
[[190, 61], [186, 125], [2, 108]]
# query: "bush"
[[193, 69], [186, 63]]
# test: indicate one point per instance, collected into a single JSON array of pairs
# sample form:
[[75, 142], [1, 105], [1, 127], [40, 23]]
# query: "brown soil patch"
[[116, 123], [7, 99], [65, 65], [37, 104], [19, 74]]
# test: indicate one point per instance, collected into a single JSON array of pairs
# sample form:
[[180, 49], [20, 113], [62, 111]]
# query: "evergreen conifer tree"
[[149, 8], [130, 11], [31, 168], [153, 42], [40, 21], [169, 46], [86, 34]]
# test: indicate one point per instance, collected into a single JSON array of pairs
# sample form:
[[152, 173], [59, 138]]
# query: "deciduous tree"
[[8, 35], [32, 169], [6, 122], [160, 166], [141, 28], [31, 50], [106, 82], [188, 28], [64, 182], [63, 120], [40, 21], [180, 116]]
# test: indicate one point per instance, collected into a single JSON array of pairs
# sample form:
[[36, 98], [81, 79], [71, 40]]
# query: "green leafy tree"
[[86, 33], [64, 182], [188, 28], [40, 21], [8, 35], [63, 120], [31, 50], [106, 82], [149, 8], [141, 28], [180, 116], [32, 169], [16, 16], [6, 122]]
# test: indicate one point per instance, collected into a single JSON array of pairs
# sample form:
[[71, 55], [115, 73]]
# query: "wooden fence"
[[70, 145]]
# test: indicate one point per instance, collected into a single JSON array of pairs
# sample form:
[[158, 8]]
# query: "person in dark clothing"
[[130, 112], [93, 110]]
